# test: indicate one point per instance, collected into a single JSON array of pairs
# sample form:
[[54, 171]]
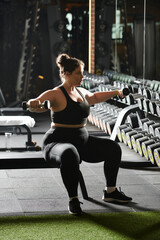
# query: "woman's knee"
[[114, 149], [118, 149], [70, 155], [61, 153]]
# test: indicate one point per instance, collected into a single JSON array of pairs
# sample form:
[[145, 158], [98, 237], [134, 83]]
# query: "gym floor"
[[41, 191]]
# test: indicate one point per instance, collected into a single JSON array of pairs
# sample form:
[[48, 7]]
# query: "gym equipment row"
[[124, 78], [144, 92], [92, 81], [140, 134], [118, 117], [143, 138], [104, 116]]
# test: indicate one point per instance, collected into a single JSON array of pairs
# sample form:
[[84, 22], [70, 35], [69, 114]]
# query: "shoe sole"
[[115, 200]]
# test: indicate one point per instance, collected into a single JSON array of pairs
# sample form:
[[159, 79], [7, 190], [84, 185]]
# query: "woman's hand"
[[120, 94], [34, 104], [123, 93]]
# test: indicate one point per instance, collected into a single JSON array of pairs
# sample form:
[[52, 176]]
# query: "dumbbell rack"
[[122, 118], [128, 109]]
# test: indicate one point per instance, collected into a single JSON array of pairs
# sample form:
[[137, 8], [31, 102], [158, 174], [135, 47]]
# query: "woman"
[[67, 142]]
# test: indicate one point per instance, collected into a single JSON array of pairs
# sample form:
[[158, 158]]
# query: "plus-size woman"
[[67, 143]]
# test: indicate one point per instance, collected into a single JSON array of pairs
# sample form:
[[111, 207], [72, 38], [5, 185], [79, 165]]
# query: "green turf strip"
[[99, 226]]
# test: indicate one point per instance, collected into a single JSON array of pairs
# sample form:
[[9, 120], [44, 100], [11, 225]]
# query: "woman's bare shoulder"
[[85, 91]]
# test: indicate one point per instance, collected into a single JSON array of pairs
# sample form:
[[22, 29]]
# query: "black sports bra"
[[75, 113]]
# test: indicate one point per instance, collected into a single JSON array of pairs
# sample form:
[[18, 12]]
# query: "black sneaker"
[[116, 196], [74, 206]]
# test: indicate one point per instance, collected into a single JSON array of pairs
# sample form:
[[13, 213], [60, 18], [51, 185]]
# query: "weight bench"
[[16, 123], [15, 158], [25, 160]]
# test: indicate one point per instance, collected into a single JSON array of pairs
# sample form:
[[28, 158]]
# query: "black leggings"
[[65, 148]]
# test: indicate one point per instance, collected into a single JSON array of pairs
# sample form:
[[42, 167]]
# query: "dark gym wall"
[[12, 16], [55, 38], [45, 64], [12, 23], [75, 42], [104, 20]]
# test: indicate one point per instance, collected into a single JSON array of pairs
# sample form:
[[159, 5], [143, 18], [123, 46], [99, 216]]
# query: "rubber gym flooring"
[[41, 191]]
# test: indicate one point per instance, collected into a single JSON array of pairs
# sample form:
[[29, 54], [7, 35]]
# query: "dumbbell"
[[140, 103], [135, 134], [98, 110], [114, 110], [149, 103], [95, 111], [117, 84], [128, 137], [105, 122], [105, 87], [147, 124], [100, 119], [132, 121], [142, 95], [156, 85], [157, 156], [112, 122], [128, 133], [97, 118], [157, 95], [143, 140], [131, 98], [153, 106], [147, 93], [137, 125], [119, 129], [151, 149], [123, 134], [157, 132], [109, 87], [145, 103], [142, 121], [135, 137], [130, 87], [158, 109], [155, 99], [125, 92], [153, 127], [140, 90], [45, 104], [100, 113], [147, 143], [112, 115], [110, 126]]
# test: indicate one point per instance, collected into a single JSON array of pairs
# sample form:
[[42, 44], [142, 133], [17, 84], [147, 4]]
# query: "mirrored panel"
[[136, 38]]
